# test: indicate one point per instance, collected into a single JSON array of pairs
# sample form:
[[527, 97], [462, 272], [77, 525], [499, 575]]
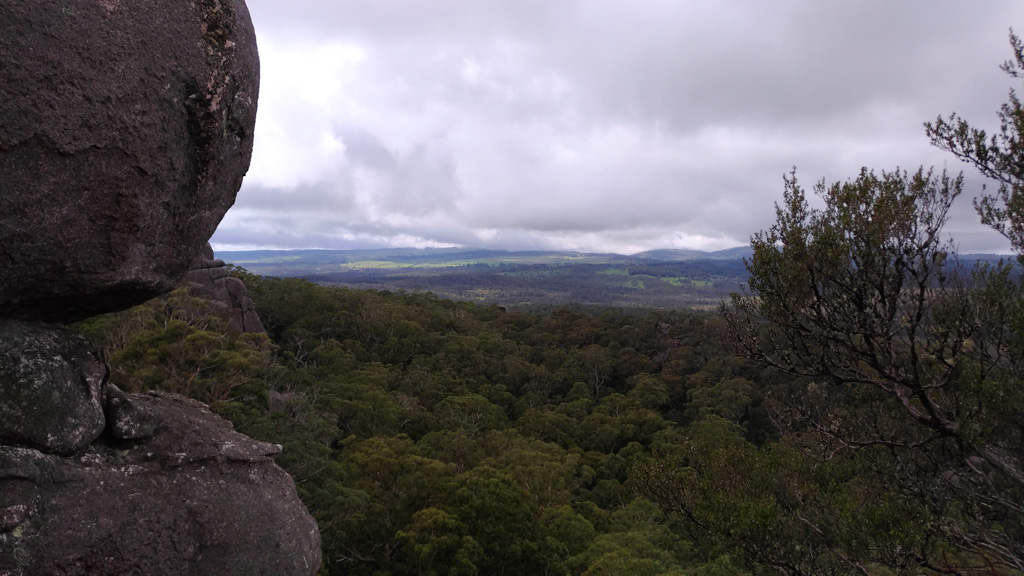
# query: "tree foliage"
[[997, 156], [900, 353]]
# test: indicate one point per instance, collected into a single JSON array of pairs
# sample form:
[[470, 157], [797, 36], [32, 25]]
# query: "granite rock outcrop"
[[209, 280], [125, 131]]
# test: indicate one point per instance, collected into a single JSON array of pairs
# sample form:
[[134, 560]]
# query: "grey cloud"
[[331, 197], [424, 182], [363, 148]]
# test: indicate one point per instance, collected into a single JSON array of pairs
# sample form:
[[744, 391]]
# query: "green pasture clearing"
[[391, 265], [682, 281]]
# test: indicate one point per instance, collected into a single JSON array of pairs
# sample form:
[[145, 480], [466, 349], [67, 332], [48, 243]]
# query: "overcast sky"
[[597, 125]]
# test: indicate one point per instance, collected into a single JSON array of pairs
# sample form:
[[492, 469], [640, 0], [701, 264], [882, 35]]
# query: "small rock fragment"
[[126, 418]]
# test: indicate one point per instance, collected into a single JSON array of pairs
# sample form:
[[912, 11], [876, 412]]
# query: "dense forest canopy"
[[430, 436], [860, 412]]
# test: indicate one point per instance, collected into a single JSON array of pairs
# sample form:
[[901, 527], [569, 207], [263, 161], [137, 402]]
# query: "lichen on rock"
[[50, 388]]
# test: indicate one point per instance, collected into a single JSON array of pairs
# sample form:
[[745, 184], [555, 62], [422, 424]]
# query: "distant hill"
[[656, 279], [679, 255]]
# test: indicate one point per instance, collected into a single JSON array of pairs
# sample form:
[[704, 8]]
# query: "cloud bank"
[[596, 125]]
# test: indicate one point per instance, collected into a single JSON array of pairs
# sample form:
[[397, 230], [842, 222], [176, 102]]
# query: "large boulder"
[[188, 496], [125, 131]]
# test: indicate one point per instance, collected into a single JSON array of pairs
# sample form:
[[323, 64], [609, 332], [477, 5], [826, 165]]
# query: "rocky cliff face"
[[125, 130]]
